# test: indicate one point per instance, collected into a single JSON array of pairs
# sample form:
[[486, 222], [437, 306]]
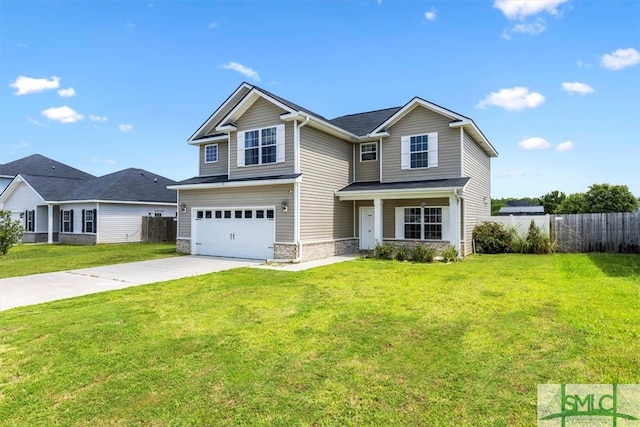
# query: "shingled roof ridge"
[[367, 112]]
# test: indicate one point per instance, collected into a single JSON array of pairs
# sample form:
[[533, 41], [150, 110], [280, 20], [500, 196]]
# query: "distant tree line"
[[599, 198]]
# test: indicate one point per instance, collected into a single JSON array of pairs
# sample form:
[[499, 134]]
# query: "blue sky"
[[103, 86]]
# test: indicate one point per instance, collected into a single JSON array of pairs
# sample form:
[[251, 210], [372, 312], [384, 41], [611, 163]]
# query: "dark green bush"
[[401, 253], [492, 238], [537, 242], [423, 253], [384, 251]]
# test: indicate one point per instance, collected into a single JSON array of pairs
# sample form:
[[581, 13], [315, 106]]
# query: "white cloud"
[[430, 15], [212, 25], [564, 146], [532, 28], [520, 9], [34, 121], [125, 128], [20, 145], [62, 114], [621, 58], [577, 87], [534, 143], [244, 70], [25, 85], [100, 119], [110, 162], [22, 45], [582, 64], [67, 93], [514, 172], [513, 99]]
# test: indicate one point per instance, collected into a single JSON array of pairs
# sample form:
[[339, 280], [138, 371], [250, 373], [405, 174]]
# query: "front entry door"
[[367, 239]]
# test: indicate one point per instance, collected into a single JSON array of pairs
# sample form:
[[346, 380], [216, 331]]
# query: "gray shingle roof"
[[363, 123], [426, 184], [39, 165], [214, 179], [508, 210], [53, 188], [131, 185]]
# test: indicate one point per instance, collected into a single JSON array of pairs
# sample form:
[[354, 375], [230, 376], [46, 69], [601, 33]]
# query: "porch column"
[[49, 223], [454, 222], [377, 220]]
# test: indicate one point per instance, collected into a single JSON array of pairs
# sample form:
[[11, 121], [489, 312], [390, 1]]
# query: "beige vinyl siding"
[[325, 163], [218, 168], [260, 115], [477, 166], [211, 127], [367, 171], [271, 195], [418, 122], [389, 212]]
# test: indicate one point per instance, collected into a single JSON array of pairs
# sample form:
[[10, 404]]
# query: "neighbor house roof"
[[37, 164], [128, 185], [529, 210], [52, 188]]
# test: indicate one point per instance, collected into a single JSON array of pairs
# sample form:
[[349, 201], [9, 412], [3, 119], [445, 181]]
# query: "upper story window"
[[419, 151], [369, 152], [211, 153], [261, 146]]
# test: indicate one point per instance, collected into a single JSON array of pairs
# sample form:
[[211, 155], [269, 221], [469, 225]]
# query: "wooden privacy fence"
[[158, 229], [597, 232]]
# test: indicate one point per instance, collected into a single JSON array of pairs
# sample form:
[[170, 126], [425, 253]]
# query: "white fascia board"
[[118, 202], [218, 138], [409, 193], [473, 130], [235, 184], [227, 101], [226, 128], [322, 124]]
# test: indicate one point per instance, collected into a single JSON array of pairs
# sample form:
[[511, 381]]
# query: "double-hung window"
[[89, 220], [421, 223], [30, 220], [419, 151], [211, 153], [67, 221], [261, 146], [368, 152]]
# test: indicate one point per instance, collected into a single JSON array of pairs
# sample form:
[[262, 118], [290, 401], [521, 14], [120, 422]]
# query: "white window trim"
[[217, 153], [432, 152], [279, 145], [446, 233], [375, 151]]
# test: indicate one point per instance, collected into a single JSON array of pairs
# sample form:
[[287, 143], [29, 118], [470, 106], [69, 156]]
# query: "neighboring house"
[[277, 181], [521, 210], [57, 203]]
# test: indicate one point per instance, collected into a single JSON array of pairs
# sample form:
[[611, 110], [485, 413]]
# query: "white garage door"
[[234, 232]]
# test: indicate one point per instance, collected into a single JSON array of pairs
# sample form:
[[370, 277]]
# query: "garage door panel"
[[235, 232]]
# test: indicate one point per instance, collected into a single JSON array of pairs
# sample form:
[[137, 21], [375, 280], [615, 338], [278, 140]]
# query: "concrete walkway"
[[40, 288]]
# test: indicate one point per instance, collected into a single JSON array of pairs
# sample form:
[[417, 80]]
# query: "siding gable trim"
[[245, 104], [410, 106]]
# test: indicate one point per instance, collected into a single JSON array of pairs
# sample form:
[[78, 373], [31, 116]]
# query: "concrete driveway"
[[39, 288]]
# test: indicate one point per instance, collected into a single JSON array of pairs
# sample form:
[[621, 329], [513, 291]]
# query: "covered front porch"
[[404, 214]]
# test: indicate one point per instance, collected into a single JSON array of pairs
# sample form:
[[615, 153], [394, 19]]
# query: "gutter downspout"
[[296, 187], [458, 224]]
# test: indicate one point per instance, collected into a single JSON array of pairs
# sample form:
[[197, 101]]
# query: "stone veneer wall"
[[285, 251], [438, 246], [30, 237], [325, 249], [183, 246], [77, 239]]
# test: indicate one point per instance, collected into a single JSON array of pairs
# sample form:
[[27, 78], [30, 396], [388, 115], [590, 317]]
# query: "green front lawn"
[[365, 342], [32, 259]]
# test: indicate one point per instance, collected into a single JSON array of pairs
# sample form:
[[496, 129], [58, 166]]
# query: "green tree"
[[551, 200], [572, 204], [11, 231], [610, 198]]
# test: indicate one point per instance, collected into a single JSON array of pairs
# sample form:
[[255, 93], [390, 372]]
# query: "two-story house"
[[278, 181]]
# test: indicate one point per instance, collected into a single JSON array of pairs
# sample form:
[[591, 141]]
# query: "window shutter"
[[399, 223], [26, 220], [71, 220], [280, 137], [83, 222], [433, 150], [240, 148], [446, 229], [405, 153], [60, 212], [95, 221]]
